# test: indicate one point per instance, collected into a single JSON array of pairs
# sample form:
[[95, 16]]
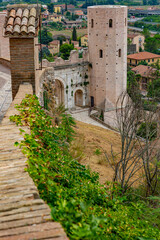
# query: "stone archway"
[[78, 98], [59, 92]]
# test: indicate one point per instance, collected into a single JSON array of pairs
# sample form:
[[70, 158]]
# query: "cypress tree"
[[74, 34]]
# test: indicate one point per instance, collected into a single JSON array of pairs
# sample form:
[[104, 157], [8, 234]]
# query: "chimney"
[[21, 26]]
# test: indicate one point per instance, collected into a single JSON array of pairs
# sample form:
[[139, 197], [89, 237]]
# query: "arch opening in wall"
[[110, 23], [92, 23], [119, 53], [59, 92], [101, 53], [78, 98]]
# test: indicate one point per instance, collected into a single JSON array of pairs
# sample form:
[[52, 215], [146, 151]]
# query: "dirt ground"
[[89, 146]]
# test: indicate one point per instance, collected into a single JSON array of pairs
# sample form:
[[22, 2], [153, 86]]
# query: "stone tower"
[[107, 37]]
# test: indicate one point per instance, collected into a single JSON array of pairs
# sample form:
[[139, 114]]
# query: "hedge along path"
[[23, 215]]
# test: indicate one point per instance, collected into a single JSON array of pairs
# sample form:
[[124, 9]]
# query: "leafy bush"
[[85, 208], [151, 127]]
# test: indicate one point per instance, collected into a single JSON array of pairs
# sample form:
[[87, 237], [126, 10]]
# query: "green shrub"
[[148, 127], [85, 208]]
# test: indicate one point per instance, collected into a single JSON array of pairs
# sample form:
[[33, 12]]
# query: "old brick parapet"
[[73, 59], [23, 215]]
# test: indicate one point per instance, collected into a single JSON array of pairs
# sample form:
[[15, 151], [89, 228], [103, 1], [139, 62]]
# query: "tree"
[[146, 32], [65, 50], [46, 37], [50, 7], [152, 44], [136, 154], [144, 2], [74, 34], [65, 6], [44, 52]]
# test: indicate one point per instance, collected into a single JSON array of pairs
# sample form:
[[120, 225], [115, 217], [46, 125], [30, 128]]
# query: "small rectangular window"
[[110, 23], [101, 53], [119, 52], [148, 60], [92, 23], [152, 60]]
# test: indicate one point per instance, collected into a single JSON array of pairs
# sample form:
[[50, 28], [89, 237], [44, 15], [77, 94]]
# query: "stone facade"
[[107, 40], [71, 79]]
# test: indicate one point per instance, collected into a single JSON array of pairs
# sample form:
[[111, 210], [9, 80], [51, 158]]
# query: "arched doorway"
[[79, 98], [59, 92]]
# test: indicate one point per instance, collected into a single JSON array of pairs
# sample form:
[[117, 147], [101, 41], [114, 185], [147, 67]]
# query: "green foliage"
[[97, 152], [46, 37], [65, 50], [143, 62], [150, 128], [74, 34], [50, 7], [85, 208], [153, 18], [133, 85], [154, 89]]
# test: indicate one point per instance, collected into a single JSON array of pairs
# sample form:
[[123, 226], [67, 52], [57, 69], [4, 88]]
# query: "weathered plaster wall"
[[73, 74]]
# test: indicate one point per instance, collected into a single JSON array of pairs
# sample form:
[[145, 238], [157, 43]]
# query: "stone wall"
[[4, 42], [71, 78]]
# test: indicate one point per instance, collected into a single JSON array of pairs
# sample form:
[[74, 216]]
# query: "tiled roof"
[[132, 35], [22, 20], [142, 56], [144, 71]]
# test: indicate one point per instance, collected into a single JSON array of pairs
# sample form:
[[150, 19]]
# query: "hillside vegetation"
[[86, 209]]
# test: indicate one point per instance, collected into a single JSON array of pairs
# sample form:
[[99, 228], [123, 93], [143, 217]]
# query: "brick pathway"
[[23, 215]]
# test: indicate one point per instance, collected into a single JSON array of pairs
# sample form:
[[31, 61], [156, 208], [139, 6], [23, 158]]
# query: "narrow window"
[[101, 53], [152, 60], [92, 23], [119, 53], [148, 60], [110, 23], [125, 21]]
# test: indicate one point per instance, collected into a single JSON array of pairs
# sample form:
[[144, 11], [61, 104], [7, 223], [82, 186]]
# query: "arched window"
[[92, 23], [101, 53], [110, 23], [119, 52]]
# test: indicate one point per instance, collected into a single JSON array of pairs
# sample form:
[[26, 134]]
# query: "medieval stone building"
[[97, 79]]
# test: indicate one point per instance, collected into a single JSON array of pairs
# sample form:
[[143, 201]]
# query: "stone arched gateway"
[[59, 92], [78, 98]]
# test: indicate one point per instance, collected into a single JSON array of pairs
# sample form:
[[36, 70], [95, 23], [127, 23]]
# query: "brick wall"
[[4, 42], [23, 62]]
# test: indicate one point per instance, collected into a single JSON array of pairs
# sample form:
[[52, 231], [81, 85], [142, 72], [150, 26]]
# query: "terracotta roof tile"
[[17, 21], [19, 12], [12, 13], [143, 56], [23, 19], [144, 71], [25, 13]]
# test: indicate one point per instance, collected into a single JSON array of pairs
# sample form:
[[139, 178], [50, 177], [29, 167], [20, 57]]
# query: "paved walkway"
[[5, 90], [81, 115], [23, 215]]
